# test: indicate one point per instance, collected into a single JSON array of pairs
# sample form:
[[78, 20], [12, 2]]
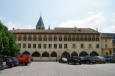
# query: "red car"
[[23, 58]]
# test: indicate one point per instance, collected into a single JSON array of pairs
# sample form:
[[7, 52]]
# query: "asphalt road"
[[57, 69]]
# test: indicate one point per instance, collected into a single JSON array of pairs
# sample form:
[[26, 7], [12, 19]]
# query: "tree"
[[8, 44], [1, 44]]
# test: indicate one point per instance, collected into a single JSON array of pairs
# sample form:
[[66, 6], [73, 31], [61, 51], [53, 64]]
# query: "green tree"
[[8, 44], [1, 44]]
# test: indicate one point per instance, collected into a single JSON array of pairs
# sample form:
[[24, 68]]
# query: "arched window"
[[55, 38], [74, 54], [83, 53], [34, 38], [50, 38], [19, 38], [53, 54], [93, 53], [39, 38], [26, 52], [45, 38], [69, 38], [24, 38], [60, 38], [29, 38], [36, 54], [66, 54], [65, 38], [45, 54]]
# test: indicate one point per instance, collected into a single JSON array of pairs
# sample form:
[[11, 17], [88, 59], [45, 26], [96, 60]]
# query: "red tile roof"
[[57, 30]]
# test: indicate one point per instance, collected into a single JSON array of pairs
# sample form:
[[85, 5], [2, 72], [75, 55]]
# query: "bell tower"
[[40, 24]]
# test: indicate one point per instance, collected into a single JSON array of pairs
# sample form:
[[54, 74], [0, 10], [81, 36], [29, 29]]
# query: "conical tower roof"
[[40, 24]]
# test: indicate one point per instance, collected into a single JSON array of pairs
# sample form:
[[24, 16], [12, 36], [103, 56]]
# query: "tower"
[[40, 24]]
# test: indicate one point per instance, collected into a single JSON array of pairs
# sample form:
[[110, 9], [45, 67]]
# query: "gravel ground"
[[57, 69]]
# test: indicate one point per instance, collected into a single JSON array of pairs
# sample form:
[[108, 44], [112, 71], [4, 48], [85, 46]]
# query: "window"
[[89, 39], [81, 39], [93, 39], [19, 38], [85, 38], [97, 45], [60, 45], [34, 38], [24, 45], [45, 38], [73, 38], [34, 45], [55, 45], [50, 45], [89, 46], [29, 38], [40, 38], [69, 38], [60, 38], [19, 45], [77, 38], [50, 38], [55, 38], [65, 38], [29, 45], [39, 45], [65, 45], [24, 38], [97, 38], [73, 46], [45, 46], [82, 45]]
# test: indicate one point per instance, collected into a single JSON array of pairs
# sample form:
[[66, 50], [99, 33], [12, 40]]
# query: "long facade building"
[[51, 44]]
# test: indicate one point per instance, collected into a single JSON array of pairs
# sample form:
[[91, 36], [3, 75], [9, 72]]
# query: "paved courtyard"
[[57, 69]]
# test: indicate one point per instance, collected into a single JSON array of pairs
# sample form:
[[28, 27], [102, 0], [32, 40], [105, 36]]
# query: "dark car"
[[3, 64], [88, 60], [63, 60], [9, 62], [74, 60], [112, 59], [15, 61], [107, 58]]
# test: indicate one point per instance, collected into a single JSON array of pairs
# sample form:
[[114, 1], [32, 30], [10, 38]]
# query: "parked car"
[[9, 62], [63, 60], [112, 59], [3, 64], [15, 61], [88, 60], [99, 59], [74, 60], [23, 58], [107, 58]]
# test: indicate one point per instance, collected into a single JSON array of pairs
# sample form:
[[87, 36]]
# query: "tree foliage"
[[8, 44]]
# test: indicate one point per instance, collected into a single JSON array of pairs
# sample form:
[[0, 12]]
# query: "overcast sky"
[[24, 14]]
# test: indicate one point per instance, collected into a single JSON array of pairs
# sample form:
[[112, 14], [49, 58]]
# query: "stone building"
[[51, 44]]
